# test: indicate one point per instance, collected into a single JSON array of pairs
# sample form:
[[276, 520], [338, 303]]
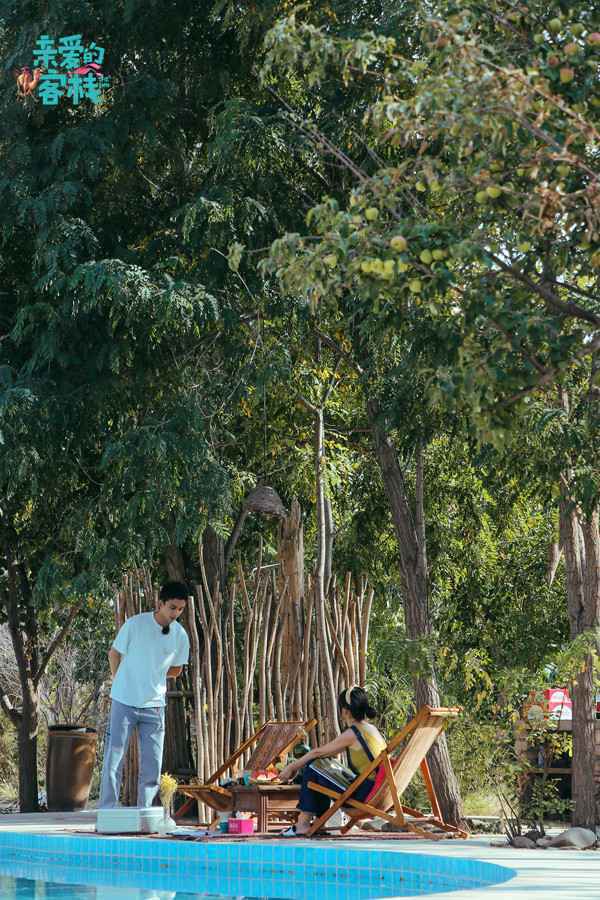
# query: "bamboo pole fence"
[[255, 654]]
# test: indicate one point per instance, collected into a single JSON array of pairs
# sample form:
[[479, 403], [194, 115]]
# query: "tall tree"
[[461, 226]]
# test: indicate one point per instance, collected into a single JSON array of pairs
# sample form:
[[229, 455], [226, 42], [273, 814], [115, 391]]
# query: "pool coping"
[[541, 874]]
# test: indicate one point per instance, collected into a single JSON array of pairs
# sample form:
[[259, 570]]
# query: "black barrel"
[[69, 766]]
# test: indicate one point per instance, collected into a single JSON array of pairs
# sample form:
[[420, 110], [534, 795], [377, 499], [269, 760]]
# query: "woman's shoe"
[[291, 832]]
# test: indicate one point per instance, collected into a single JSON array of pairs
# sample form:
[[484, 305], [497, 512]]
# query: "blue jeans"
[[313, 802], [150, 723]]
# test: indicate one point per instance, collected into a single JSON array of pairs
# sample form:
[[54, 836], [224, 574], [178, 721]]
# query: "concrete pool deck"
[[541, 874]]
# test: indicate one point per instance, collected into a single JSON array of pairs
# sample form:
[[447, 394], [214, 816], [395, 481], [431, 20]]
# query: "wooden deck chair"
[[402, 757], [272, 740]]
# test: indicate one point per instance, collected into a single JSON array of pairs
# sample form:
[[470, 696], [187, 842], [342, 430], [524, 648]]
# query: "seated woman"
[[360, 739]]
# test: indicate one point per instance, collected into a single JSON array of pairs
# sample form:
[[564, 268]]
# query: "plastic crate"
[[240, 826]]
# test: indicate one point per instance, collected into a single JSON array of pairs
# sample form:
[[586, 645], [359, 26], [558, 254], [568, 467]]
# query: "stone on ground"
[[575, 838]]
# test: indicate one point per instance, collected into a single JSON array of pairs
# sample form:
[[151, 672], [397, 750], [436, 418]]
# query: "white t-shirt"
[[147, 655]]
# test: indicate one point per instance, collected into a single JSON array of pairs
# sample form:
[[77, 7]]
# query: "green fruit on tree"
[[403, 267], [577, 29], [420, 186], [563, 170], [415, 285], [538, 38], [595, 260], [555, 26], [366, 266], [439, 254], [330, 260], [377, 266], [481, 196], [571, 49], [426, 257], [388, 268], [566, 75], [372, 213], [399, 243], [434, 187], [493, 191]]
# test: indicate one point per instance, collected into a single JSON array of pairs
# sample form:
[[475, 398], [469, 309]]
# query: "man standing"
[[148, 649]]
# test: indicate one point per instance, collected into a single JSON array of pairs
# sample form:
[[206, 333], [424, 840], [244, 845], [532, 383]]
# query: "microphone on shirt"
[[165, 629]]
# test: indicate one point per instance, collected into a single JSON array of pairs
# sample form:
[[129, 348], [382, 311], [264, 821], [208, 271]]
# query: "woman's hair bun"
[[356, 700]]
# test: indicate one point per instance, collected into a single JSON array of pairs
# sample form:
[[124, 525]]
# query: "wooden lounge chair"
[[272, 740], [404, 754]]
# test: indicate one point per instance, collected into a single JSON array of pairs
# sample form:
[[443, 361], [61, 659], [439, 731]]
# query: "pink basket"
[[240, 826]]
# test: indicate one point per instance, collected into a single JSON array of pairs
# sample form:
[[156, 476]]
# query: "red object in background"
[[558, 702], [555, 702]]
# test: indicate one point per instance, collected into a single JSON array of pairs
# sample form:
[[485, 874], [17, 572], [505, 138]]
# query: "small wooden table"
[[273, 804]]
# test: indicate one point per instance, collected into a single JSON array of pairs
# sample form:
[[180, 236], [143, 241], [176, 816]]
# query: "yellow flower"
[[167, 787]]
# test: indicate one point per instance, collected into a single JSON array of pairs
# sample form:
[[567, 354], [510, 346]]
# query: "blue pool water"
[[98, 868]]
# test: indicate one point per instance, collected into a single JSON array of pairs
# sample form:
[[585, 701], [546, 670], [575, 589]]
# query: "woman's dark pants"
[[315, 803]]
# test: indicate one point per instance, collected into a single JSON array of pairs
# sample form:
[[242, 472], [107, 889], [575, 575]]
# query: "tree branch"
[[10, 603], [235, 535], [54, 643], [333, 345], [310, 406], [420, 508], [5, 704], [565, 308], [550, 374], [320, 139]]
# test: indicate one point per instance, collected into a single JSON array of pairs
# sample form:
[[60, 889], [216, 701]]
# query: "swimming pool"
[[94, 868]]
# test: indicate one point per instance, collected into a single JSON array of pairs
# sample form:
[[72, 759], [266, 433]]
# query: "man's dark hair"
[[174, 590]]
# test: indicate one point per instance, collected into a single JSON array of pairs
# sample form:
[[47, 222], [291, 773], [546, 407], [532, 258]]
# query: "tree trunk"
[[27, 741], [410, 534], [329, 538], [213, 548], [329, 700], [25, 648], [17, 600], [581, 541], [291, 559], [583, 787], [175, 563]]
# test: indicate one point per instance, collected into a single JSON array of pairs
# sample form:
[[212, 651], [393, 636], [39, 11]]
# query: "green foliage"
[[544, 803], [8, 755], [466, 222], [403, 194]]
